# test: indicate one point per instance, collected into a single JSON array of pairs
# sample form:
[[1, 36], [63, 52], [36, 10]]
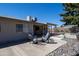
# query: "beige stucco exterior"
[[9, 25], [8, 28]]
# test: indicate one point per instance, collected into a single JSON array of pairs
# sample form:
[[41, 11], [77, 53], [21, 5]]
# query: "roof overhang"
[[51, 24]]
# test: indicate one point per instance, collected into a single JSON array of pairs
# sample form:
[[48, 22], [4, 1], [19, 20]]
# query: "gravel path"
[[71, 48]]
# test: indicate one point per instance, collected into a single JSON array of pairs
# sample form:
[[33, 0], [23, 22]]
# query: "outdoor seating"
[[30, 36], [46, 37], [35, 40]]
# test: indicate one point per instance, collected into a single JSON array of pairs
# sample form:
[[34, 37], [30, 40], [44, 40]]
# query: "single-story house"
[[12, 26]]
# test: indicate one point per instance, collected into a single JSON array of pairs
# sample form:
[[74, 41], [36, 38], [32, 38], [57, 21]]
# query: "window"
[[19, 27]]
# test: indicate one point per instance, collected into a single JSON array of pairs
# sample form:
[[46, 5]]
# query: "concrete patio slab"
[[29, 49]]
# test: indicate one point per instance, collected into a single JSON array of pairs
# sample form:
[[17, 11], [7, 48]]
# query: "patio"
[[29, 49]]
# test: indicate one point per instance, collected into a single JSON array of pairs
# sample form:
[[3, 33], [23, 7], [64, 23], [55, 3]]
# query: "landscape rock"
[[71, 48]]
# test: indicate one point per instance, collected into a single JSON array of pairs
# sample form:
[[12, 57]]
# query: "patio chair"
[[30, 36], [46, 37], [35, 40]]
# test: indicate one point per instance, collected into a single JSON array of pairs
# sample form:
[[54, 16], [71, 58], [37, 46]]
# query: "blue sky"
[[45, 12]]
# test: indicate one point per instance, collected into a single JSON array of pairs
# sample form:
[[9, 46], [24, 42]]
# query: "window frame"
[[19, 27]]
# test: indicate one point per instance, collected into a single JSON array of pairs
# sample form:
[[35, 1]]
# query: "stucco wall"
[[7, 37], [28, 28], [10, 26], [8, 30]]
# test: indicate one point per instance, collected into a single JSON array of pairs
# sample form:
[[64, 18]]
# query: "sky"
[[45, 12]]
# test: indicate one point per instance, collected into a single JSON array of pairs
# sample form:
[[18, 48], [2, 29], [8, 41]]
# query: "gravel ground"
[[69, 49]]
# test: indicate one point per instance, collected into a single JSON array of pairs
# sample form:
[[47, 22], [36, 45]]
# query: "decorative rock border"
[[71, 48]]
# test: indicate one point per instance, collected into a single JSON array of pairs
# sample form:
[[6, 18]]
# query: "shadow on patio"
[[8, 39], [12, 43]]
